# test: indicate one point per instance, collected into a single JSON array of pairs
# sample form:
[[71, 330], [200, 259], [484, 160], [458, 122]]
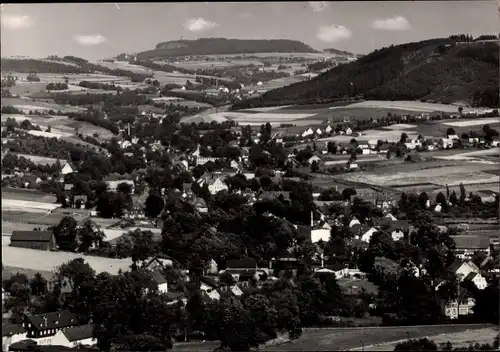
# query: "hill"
[[338, 52], [223, 46], [65, 65], [437, 70]]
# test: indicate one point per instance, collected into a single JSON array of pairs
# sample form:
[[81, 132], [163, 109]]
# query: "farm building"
[[74, 336], [42, 240], [466, 245]]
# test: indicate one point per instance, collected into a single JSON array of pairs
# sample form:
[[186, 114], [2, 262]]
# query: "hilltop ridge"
[[436, 70], [224, 46]]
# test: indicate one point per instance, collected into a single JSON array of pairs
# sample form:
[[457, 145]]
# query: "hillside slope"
[[221, 46], [434, 70]]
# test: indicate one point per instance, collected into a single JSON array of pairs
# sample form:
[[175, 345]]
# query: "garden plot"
[[400, 126], [48, 261], [24, 205], [469, 123], [27, 194]]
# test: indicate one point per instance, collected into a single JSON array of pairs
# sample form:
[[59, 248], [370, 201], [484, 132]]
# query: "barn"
[[42, 240]]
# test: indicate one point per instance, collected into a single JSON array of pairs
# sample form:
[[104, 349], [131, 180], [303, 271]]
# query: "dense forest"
[[436, 70], [220, 46]]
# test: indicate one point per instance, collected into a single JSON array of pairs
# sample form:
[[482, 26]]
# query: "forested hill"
[[439, 70], [223, 46]]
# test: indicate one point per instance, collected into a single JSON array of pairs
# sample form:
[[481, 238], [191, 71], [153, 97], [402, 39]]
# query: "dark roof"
[[470, 276], [209, 281], [23, 345], [158, 277], [455, 266], [241, 263], [246, 275], [31, 236], [9, 329], [471, 242], [174, 296], [80, 332], [53, 320]]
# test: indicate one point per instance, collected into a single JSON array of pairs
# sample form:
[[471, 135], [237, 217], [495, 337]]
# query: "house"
[[156, 263], [340, 270], [203, 160], [42, 327], [466, 245], [74, 336], [12, 333], [463, 305], [313, 159], [199, 204], [160, 281], [113, 185], [175, 297], [462, 269], [41, 240], [477, 279], [354, 221], [367, 235], [79, 202], [136, 212], [320, 235], [348, 131], [215, 184], [67, 169]]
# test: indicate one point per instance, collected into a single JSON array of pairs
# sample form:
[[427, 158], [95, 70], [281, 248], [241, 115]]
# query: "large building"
[[42, 240]]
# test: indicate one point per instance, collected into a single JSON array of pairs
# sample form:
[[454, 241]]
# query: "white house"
[[477, 279], [391, 217], [161, 281], [462, 269], [313, 158], [397, 235], [320, 234], [368, 234], [66, 169], [328, 129], [74, 336], [354, 221], [203, 160], [348, 131], [215, 184]]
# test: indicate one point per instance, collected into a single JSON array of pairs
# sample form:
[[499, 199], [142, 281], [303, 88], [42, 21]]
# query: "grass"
[[29, 104], [33, 259], [27, 194], [8, 271], [459, 339], [35, 218], [349, 338]]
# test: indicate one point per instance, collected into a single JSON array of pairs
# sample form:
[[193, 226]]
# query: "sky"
[[103, 30]]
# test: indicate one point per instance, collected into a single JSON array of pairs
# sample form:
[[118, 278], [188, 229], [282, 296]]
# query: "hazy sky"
[[96, 31]]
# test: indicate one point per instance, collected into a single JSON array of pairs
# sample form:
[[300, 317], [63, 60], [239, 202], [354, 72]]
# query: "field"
[[27, 195], [472, 122], [28, 104], [458, 339], [48, 261], [61, 126], [410, 174], [8, 271], [351, 338]]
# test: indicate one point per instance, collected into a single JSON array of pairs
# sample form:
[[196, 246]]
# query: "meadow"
[[33, 259], [328, 339], [458, 339]]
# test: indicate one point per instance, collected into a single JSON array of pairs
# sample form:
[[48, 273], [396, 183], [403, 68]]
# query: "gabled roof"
[[158, 277], [31, 236], [80, 332], [470, 276], [455, 266], [241, 263], [53, 320]]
